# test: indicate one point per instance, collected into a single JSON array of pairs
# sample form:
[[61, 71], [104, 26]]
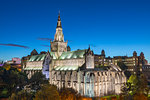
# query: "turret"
[[134, 54], [68, 48], [142, 55], [103, 56], [89, 58], [103, 53], [142, 58]]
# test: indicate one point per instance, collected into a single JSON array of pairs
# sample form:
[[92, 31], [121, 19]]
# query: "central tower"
[[58, 45]]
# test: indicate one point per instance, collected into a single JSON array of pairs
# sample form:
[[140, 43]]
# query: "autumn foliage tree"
[[69, 94], [139, 96], [47, 92], [21, 95]]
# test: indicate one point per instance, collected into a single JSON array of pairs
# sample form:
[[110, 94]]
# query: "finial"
[[89, 47], [59, 21], [59, 13]]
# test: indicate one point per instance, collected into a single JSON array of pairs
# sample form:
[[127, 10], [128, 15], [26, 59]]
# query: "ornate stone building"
[[82, 75], [131, 62], [75, 69]]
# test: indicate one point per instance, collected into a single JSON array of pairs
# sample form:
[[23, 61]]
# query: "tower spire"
[[59, 21], [59, 37]]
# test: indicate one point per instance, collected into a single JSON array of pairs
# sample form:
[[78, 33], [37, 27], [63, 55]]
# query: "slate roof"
[[41, 57], [33, 68], [65, 55], [66, 68], [53, 55], [37, 57], [73, 54]]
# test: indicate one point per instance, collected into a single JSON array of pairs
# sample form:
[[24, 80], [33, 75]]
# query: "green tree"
[[11, 81], [47, 92], [136, 85], [37, 80], [15, 80]]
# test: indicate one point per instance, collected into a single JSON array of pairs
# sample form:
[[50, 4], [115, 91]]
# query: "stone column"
[[98, 83], [85, 92], [79, 81], [102, 86]]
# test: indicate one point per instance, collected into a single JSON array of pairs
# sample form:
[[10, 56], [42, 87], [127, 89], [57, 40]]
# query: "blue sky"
[[117, 26]]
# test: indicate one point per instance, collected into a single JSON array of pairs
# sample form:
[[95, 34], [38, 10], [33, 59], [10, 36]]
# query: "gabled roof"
[[34, 52], [73, 54]]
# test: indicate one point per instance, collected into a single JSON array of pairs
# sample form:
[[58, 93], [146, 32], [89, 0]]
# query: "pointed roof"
[[89, 51], [34, 52], [135, 54], [59, 21], [103, 53]]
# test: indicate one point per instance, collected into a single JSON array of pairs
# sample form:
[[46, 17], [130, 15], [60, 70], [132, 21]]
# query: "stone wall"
[[90, 83], [69, 62]]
